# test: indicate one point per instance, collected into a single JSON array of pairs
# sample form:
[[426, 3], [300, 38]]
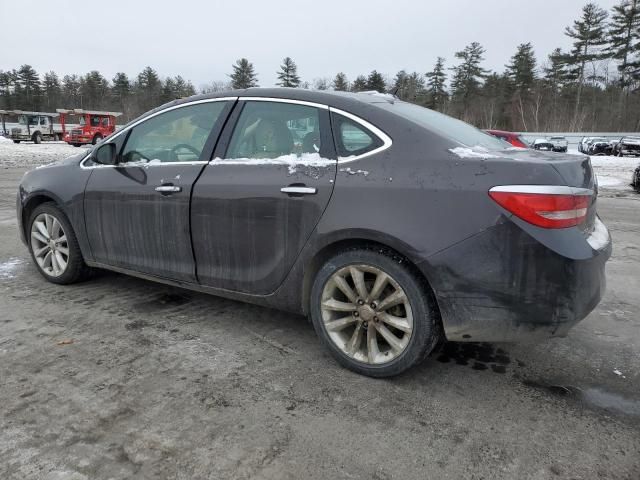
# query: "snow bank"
[[32, 155], [613, 172], [5, 139]]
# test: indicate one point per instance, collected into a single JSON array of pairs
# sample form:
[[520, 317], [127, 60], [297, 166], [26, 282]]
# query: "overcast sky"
[[201, 39]]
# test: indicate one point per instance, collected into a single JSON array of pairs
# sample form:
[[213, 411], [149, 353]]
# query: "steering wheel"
[[174, 150]]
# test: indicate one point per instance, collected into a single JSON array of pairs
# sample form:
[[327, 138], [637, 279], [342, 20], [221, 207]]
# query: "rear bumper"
[[503, 285]]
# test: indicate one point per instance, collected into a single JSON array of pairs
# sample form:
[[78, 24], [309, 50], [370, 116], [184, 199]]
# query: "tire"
[[37, 138], [75, 270], [16, 141], [96, 139], [75, 144], [417, 315]]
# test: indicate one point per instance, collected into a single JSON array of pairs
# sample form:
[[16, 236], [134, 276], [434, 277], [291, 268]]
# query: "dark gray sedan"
[[390, 225]]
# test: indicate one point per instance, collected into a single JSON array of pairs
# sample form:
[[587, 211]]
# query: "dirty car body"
[[368, 170]]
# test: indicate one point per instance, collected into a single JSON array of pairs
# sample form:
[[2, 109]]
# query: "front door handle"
[[298, 190], [168, 189]]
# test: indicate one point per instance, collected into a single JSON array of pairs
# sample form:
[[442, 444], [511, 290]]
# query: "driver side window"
[[178, 135]]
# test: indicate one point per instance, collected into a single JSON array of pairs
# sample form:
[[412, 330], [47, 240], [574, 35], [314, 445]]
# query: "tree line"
[[593, 86]]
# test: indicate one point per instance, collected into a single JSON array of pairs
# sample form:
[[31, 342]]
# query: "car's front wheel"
[[373, 312], [54, 246]]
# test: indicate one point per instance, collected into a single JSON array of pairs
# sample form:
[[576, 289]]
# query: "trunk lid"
[[574, 170]]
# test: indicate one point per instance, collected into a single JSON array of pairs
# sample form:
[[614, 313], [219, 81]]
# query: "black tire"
[[37, 138], [16, 141], [75, 144], [96, 139], [426, 329], [76, 269]]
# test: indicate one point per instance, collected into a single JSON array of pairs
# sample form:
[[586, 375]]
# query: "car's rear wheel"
[[54, 246], [373, 313]]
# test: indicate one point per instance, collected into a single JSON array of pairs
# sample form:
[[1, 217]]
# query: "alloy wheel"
[[367, 314], [49, 244]]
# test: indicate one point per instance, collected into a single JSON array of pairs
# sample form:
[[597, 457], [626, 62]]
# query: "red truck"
[[92, 126]]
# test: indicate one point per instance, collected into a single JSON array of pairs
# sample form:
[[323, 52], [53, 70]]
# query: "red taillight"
[[544, 206]]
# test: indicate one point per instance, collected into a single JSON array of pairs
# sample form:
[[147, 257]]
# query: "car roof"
[[324, 97]]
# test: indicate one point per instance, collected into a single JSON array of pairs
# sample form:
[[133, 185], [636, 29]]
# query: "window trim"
[[129, 127], [386, 140]]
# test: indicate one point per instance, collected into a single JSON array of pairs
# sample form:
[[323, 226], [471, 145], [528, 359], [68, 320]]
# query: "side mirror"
[[105, 154]]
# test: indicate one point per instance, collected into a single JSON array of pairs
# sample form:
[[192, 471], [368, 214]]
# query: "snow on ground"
[[613, 172], [32, 155]]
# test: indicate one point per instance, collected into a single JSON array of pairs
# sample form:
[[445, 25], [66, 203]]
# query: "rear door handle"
[[298, 190], [168, 189]]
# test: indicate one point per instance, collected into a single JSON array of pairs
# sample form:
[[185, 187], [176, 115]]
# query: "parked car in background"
[[583, 144], [635, 179], [599, 146], [514, 139], [542, 144], [92, 127], [214, 194], [560, 144], [626, 146]]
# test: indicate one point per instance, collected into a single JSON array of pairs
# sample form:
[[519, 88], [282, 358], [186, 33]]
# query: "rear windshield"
[[456, 130]]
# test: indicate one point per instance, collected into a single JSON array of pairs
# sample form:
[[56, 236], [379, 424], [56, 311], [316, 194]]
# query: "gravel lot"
[[120, 378]]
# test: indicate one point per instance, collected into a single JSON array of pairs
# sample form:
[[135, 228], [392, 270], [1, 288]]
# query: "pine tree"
[[555, 72], [28, 90], [359, 84], [468, 76], [148, 88], [288, 74], [624, 40], [522, 69], [94, 90], [243, 75], [6, 90], [375, 82], [340, 83], [588, 34], [51, 90], [409, 87], [436, 86], [521, 75], [121, 90], [71, 91]]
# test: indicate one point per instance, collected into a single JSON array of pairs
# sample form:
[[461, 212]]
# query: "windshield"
[[456, 130], [23, 120], [81, 121]]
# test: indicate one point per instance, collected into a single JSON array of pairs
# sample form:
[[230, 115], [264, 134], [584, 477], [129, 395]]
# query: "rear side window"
[[269, 130], [353, 139], [449, 127]]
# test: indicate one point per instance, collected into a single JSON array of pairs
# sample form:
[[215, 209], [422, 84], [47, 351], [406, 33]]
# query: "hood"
[[72, 160]]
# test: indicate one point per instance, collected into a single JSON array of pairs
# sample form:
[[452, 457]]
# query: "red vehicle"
[[513, 138], [92, 126]]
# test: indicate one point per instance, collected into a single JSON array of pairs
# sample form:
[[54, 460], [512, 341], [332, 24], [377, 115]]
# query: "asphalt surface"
[[121, 378]]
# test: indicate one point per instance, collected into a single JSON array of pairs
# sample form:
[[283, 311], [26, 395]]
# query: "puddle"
[[592, 397], [478, 356], [8, 268]]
